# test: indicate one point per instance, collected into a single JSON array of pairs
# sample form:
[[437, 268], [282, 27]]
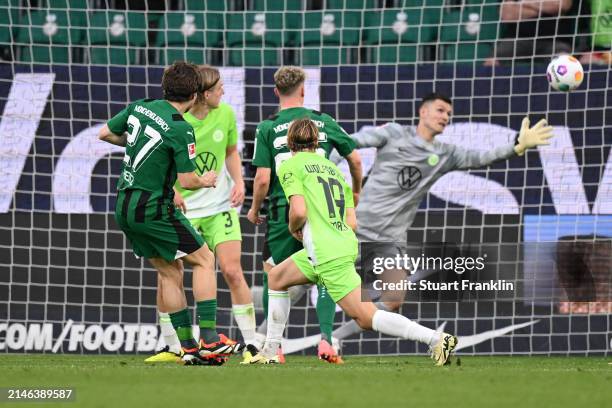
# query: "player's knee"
[[393, 306], [232, 274], [202, 257], [170, 274], [275, 279], [364, 321]]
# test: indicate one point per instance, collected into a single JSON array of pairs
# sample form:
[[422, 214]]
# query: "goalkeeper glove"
[[538, 135]]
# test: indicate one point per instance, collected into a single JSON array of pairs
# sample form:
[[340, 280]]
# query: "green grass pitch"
[[374, 382]]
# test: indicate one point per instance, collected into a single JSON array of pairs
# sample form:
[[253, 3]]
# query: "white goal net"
[[69, 281]]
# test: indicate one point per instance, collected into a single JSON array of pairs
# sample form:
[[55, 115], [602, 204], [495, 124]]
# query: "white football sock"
[[168, 333], [397, 325], [278, 314], [295, 294], [245, 319], [351, 327]]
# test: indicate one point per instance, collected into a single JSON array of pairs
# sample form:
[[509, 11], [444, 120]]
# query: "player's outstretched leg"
[[393, 324]]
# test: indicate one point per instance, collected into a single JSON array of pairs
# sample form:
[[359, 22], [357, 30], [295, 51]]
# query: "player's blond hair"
[[302, 135], [210, 77], [288, 78]]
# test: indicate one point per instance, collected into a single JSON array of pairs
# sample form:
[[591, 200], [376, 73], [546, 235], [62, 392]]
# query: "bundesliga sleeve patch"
[[191, 150]]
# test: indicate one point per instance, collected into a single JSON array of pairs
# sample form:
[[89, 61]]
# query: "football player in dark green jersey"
[[159, 148]]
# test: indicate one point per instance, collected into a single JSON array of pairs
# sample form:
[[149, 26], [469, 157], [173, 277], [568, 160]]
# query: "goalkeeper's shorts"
[[338, 275]]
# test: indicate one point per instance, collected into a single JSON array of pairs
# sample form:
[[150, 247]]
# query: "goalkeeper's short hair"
[[434, 96]]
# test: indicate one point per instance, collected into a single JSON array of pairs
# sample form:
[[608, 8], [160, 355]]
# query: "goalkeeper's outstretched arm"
[[368, 136], [527, 138]]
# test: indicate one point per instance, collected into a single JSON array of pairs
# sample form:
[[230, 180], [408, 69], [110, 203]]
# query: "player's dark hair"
[[302, 135], [434, 96], [180, 81]]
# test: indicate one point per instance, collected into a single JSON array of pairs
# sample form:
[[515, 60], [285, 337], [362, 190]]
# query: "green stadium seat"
[[206, 5], [9, 21], [117, 37], [330, 37], [350, 5], [187, 36], [278, 5], [65, 4], [468, 34], [49, 36], [397, 35], [255, 39]]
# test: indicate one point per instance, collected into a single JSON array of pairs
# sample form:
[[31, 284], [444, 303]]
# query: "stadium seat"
[[187, 36], [117, 37], [350, 4], [330, 37], [276, 5], [9, 21], [397, 35], [206, 5], [255, 39], [468, 34], [65, 4], [50, 35]]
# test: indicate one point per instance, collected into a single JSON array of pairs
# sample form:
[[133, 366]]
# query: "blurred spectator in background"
[[534, 30], [601, 31]]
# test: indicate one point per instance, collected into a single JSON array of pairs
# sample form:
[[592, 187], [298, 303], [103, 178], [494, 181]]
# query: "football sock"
[[168, 333], [397, 325], [245, 319], [295, 294], [207, 317], [326, 312], [278, 314], [351, 327], [181, 321], [264, 296]]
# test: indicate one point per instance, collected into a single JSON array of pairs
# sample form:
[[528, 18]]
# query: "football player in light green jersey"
[[270, 151], [322, 217], [212, 211]]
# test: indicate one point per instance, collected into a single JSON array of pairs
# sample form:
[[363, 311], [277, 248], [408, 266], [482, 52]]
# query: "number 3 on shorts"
[[228, 218]]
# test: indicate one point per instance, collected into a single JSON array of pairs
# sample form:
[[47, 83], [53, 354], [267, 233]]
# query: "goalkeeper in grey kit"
[[391, 196]]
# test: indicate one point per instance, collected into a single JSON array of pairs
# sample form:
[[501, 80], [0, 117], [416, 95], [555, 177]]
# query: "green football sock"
[[181, 321], [326, 312], [264, 296], [207, 316]]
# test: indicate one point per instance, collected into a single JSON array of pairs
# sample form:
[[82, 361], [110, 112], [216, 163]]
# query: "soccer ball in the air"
[[564, 73]]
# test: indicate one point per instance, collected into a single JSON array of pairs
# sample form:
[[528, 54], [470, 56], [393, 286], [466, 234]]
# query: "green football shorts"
[[338, 276], [168, 235], [279, 243], [218, 228]]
